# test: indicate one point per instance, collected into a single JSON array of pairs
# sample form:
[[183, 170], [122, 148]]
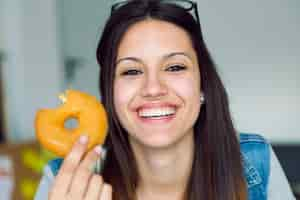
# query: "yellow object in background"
[[35, 160], [28, 188], [27, 161]]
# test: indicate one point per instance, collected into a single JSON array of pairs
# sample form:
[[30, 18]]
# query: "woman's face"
[[157, 84]]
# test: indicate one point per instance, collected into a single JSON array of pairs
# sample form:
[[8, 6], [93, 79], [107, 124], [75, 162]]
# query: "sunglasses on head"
[[189, 6]]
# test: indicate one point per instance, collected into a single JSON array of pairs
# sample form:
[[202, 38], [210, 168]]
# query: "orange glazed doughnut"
[[91, 120]]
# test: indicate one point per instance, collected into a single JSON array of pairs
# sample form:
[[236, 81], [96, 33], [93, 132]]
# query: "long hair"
[[217, 171]]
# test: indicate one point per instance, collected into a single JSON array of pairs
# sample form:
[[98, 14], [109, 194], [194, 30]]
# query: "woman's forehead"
[[154, 36]]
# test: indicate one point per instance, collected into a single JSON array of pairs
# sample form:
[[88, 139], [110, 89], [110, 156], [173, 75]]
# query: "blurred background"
[[48, 46]]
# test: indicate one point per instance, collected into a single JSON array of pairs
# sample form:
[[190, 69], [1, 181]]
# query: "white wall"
[[32, 71], [1, 25], [257, 48], [80, 30]]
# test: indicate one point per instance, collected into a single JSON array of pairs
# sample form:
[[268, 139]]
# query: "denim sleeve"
[[278, 187], [45, 184]]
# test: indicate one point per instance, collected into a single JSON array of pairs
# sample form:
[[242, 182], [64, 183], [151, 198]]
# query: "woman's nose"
[[154, 86]]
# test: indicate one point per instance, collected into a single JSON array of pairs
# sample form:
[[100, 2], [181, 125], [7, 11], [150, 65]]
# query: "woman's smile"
[[156, 113]]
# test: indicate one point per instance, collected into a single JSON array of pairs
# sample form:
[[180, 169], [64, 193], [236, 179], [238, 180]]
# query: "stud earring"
[[202, 99]]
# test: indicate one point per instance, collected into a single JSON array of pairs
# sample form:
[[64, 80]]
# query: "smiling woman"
[[160, 98], [170, 131]]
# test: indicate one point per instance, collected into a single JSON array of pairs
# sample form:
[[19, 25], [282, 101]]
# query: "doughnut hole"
[[71, 123]]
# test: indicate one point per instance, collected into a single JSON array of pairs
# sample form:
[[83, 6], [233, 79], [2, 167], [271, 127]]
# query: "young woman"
[[171, 135]]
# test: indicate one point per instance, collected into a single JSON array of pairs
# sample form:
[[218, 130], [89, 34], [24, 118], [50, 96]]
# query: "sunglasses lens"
[[187, 5], [116, 6]]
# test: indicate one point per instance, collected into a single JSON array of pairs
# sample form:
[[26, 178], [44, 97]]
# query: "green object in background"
[[35, 160]]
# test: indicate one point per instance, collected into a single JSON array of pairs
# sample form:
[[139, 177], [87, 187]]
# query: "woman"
[[171, 135]]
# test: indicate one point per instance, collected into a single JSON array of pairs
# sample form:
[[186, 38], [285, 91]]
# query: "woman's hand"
[[76, 179]]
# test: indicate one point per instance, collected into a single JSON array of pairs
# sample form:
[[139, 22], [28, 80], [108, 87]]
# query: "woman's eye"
[[131, 72], [174, 68]]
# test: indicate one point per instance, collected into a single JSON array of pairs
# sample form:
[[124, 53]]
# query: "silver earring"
[[202, 99]]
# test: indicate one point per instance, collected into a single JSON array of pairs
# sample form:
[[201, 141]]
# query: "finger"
[[84, 172], [106, 192], [71, 162], [94, 188]]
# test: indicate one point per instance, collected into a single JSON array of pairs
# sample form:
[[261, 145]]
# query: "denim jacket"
[[256, 157], [256, 163]]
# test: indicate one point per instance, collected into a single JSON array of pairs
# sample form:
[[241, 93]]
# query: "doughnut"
[[91, 119]]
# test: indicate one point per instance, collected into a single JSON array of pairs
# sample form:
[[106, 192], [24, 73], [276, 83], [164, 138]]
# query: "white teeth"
[[156, 112]]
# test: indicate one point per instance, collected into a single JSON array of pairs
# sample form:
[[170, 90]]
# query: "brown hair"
[[217, 171]]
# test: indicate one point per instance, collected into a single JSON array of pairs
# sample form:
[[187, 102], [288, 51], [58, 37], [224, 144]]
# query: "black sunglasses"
[[188, 5]]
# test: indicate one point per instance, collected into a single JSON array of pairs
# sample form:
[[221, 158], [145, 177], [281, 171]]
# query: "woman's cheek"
[[185, 87], [124, 91]]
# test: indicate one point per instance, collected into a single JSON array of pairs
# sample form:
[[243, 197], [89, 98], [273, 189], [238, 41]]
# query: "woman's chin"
[[157, 142]]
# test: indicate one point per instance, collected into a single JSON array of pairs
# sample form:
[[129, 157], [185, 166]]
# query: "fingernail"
[[83, 139], [98, 149]]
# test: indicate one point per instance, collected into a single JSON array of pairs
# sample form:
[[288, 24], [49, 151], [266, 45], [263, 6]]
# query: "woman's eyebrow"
[[176, 54], [129, 58], [169, 55]]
